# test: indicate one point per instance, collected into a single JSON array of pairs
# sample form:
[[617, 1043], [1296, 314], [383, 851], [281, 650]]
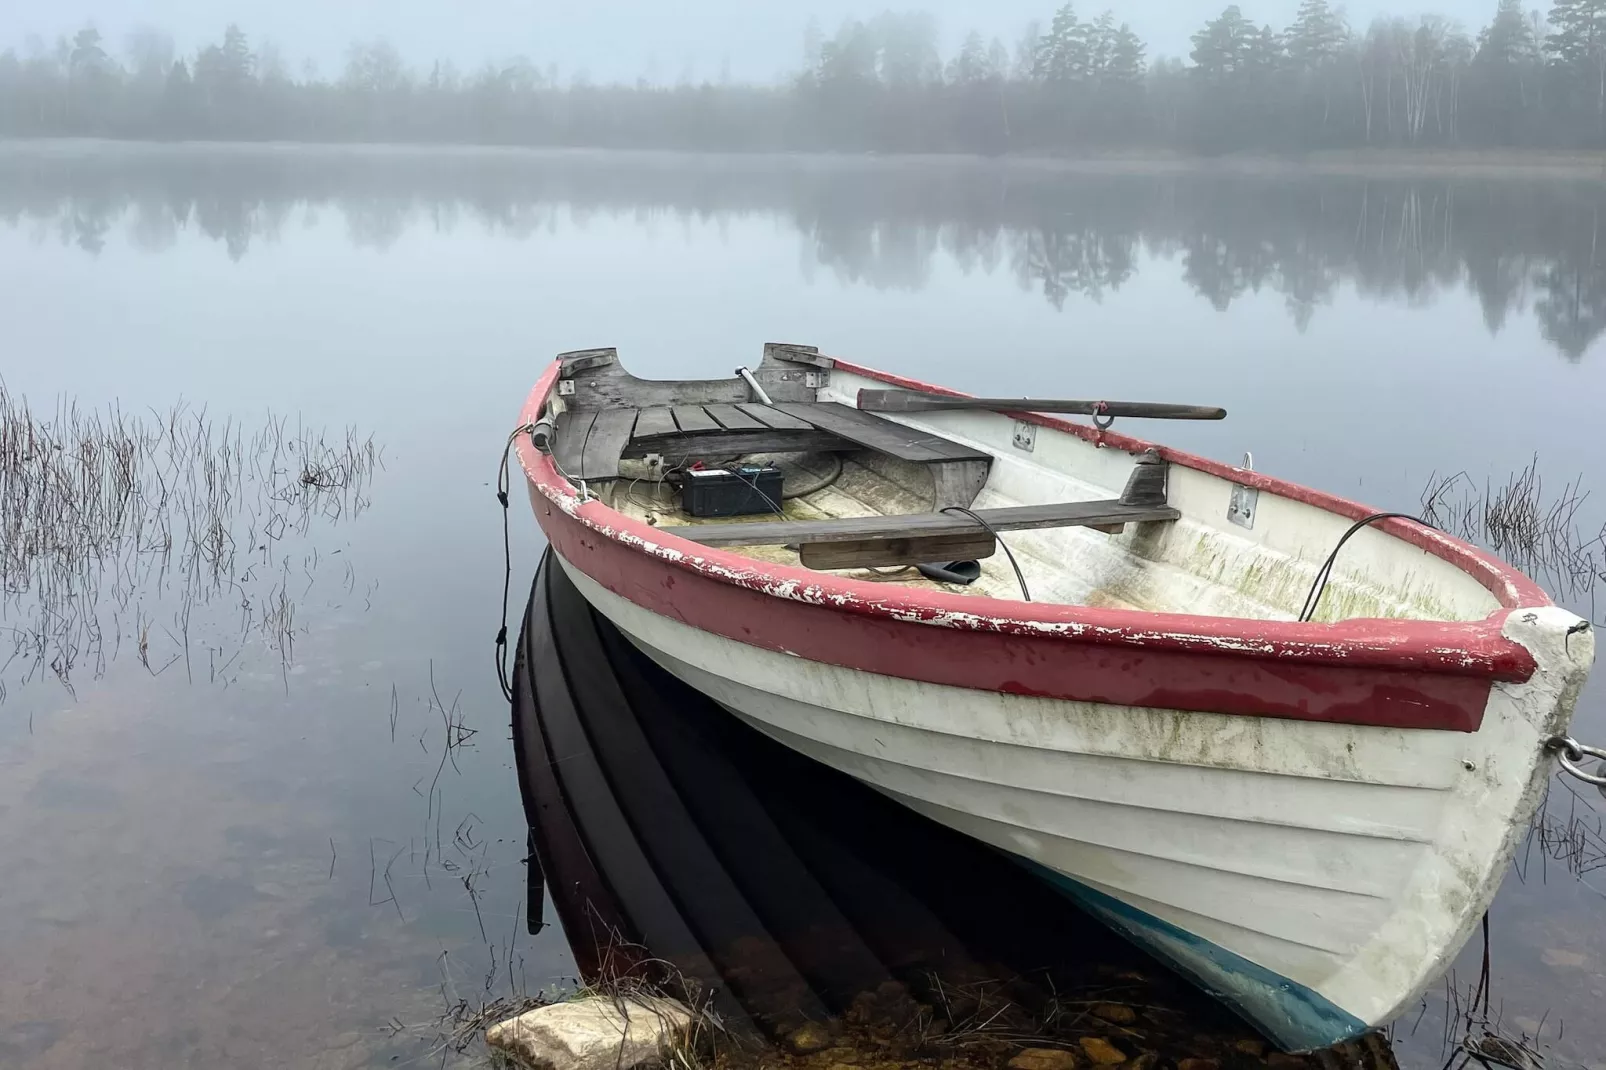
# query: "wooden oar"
[[914, 401]]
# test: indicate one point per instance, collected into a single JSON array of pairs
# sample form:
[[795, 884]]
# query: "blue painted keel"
[[1291, 1015]]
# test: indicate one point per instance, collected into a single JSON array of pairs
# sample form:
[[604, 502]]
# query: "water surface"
[[168, 835]]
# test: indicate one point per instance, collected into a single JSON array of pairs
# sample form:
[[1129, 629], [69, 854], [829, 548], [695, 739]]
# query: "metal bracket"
[[1025, 436], [816, 379], [565, 387], [1241, 509]]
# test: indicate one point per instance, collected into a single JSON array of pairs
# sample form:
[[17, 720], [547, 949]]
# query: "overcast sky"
[[615, 39]]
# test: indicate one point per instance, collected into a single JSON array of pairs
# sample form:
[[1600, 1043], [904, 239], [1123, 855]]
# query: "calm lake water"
[[235, 831]]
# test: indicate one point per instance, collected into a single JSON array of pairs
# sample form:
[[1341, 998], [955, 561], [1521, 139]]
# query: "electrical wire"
[[819, 485], [1319, 585], [1020, 577]]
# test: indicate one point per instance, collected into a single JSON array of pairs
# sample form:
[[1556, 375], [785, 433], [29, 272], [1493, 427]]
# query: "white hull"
[[1316, 876]]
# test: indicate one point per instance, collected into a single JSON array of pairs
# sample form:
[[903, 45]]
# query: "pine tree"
[[1126, 57], [86, 51], [1221, 50], [970, 65], [1317, 36], [1508, 40], [1579, 45], [1580, 32], [1063, 53]]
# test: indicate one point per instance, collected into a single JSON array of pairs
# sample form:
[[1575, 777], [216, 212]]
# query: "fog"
[[889, 83], [616, 39]]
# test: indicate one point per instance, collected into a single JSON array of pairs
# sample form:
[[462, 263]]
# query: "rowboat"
[[684, 851], [1282, 742]]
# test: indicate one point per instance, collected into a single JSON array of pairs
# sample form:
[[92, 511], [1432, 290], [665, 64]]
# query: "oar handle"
[[916, 401]]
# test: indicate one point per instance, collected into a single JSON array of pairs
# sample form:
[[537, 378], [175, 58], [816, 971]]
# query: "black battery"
[[739, 491]]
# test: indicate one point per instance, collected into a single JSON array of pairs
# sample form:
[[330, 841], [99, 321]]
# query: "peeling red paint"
[[1401, 673]]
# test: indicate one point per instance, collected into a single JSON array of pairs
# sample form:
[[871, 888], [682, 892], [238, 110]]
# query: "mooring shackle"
[[1099, 408], [1569, 752]]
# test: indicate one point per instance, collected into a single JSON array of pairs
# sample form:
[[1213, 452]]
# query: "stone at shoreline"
[[598, 1033], [1101, 1051], [1198, 1064], [1043, 1059], [1118, 1013]]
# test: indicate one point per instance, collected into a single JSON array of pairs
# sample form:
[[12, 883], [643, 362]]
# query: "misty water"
[[280, 862]]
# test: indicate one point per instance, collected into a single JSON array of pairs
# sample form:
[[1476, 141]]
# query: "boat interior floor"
[[1075, 565], [869, 498]]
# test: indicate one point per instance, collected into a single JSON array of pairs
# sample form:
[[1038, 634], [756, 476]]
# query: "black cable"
[[1319, 585], [819, 485], [499, 655], [1020, 578]]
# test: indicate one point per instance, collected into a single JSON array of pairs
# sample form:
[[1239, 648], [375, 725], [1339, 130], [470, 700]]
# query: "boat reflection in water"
[[680, 846]]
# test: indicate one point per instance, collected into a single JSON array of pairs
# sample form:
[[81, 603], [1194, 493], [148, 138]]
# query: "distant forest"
[[1526, 80]]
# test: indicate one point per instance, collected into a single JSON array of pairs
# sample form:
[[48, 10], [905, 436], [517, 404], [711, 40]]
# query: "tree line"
[[888, 224], [1525, 80]]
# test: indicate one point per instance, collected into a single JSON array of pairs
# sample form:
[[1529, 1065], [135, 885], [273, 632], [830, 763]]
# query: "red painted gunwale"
[[1395, 673]]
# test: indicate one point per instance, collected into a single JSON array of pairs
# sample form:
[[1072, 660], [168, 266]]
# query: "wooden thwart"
[[884, 552], [884, 436], [923, 525]]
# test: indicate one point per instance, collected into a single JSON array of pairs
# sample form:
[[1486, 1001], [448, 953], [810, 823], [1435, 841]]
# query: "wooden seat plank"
[[772, 417], [605, 442], [923, 525], [732, 418], [885, 436], [693, 418], [569, 440], [658, 420]]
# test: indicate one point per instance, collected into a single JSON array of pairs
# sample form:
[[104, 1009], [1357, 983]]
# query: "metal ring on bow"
[[1569, 752], [1104, 424]]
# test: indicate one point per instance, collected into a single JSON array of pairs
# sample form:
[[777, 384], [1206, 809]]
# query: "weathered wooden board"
[[605, 442], [610, 385], [658, 420], [569, 441], [723, 444], [923, 525], [733, 418], [692, 418], [881, 552], [873, 432], [773, 417]]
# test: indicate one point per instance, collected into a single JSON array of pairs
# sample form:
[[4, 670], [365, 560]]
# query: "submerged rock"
[[594, 1034], [809, 1037]]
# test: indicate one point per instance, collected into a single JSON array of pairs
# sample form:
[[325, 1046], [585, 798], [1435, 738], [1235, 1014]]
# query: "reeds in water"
[[1539, 530], [115, 527]]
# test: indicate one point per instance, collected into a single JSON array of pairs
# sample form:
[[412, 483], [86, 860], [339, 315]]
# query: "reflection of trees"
[[1572, 308], [1086, 262], [885, 254], [1067, 236]]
